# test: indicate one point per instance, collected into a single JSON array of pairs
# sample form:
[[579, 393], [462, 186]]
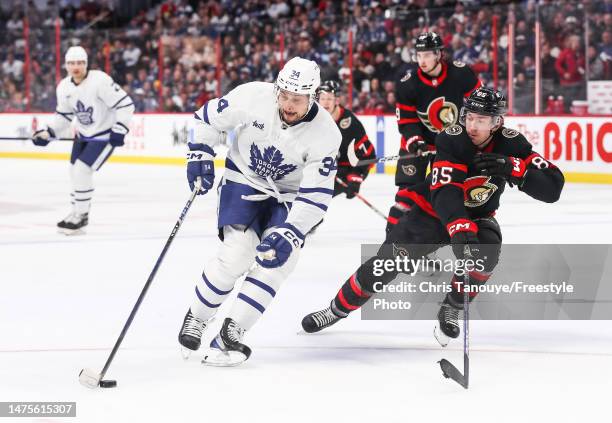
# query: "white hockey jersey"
[[291, 163], [96, 105]]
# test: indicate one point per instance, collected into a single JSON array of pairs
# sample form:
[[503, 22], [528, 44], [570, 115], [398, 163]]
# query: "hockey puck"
[[108, 384]]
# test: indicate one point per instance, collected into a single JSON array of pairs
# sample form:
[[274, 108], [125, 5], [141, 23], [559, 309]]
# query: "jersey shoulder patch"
[[406, 77], [459, 63], [345, 123], [509, 133], [454, 130]]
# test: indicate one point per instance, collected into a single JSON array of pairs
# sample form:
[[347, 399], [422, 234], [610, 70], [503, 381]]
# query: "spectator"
[[570, 67], [13, 67]]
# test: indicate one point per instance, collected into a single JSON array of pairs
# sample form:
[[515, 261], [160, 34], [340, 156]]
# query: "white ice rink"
[[64, 300]]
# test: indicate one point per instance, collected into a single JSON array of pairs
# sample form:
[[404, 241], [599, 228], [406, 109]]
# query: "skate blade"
[[186, 353], [218, 358], [71, 232], [442, 339]]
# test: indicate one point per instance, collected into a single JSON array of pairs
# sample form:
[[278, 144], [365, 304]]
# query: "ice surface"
[[64, 300]]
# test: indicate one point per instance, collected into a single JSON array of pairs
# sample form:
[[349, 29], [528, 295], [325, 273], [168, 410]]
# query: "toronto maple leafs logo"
[[270, 163], [84, 114]]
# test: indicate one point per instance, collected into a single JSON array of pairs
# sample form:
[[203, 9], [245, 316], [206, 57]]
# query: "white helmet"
[[300, 76], [75, 54]]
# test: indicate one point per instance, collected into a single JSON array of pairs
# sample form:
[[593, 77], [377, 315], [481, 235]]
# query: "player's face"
[[76, 69], [328, 101], [292, 106], [478, 127], [428, 60]]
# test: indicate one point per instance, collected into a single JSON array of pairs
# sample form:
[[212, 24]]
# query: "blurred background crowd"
[[172, 56]]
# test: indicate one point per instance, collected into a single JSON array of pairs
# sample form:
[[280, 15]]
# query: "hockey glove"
[[117, 135], [275, 249], [42, 137], [463, 238], [512, 169], [353, 182], [200, 164], [416, 145]]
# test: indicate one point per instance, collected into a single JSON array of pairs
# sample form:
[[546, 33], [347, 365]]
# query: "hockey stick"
[[30, 139], [90, 378], [366, 202], [448, 369], [355, 162]]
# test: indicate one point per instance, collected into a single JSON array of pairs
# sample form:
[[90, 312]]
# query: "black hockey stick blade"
[[450, 371]]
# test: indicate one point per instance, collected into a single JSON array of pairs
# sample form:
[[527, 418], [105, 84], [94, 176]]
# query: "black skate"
[[319, 320], [447, 327], [227, 348], [190, 336], [73, 224]]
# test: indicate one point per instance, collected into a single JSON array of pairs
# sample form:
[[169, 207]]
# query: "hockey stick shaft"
[[466, 325], [362, 198], [29, 139], [355, 162], [158, 263]]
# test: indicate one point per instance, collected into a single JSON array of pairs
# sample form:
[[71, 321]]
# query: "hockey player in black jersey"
[[456, 205], [351, 130], [428, 101]]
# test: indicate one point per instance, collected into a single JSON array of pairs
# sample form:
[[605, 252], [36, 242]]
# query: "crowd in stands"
[[177, 54]]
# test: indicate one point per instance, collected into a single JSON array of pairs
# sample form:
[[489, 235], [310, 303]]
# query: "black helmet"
[[486, 101], [329, 86], [428, 41]]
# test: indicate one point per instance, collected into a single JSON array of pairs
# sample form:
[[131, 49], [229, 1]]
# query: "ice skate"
[[73, 224], [319, 320], [227, 349], [190, 336], [447, 327]]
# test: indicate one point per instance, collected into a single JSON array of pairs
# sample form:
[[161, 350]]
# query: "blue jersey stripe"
[[312, 203], [252, 302], [262, 285], [319, 190], [206, 303], [214, 288]]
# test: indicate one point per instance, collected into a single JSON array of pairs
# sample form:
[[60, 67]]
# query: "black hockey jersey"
[[453, 190], [426, 105], [352, 129]]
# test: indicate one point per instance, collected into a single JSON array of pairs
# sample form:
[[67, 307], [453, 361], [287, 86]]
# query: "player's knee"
[[235, 256], [489, 235]]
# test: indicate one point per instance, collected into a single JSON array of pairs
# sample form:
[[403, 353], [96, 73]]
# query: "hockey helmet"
[[486, 101], [76, 54], [428, 41], [299, 76], [329, 86]]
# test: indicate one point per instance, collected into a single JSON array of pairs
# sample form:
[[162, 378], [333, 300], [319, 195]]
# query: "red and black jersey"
[[352, 129], [426, 105], [454, 191]]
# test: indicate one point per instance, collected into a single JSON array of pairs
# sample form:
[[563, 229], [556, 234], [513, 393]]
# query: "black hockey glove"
[[464, 241], [510, 168], [353, 182], [416, 145]]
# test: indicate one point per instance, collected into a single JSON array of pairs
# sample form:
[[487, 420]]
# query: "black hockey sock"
[[350, 297], [455, 297]]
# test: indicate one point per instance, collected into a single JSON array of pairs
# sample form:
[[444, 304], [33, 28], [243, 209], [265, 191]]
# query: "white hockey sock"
[[235, 256], [81, 177], [259, 288]]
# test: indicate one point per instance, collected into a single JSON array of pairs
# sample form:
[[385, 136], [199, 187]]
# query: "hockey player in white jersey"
[[101, 111], [277, 185]]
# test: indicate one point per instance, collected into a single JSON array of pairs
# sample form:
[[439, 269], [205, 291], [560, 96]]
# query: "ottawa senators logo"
[[439, 115], [399, 251], [345, 123], [478, 190]]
